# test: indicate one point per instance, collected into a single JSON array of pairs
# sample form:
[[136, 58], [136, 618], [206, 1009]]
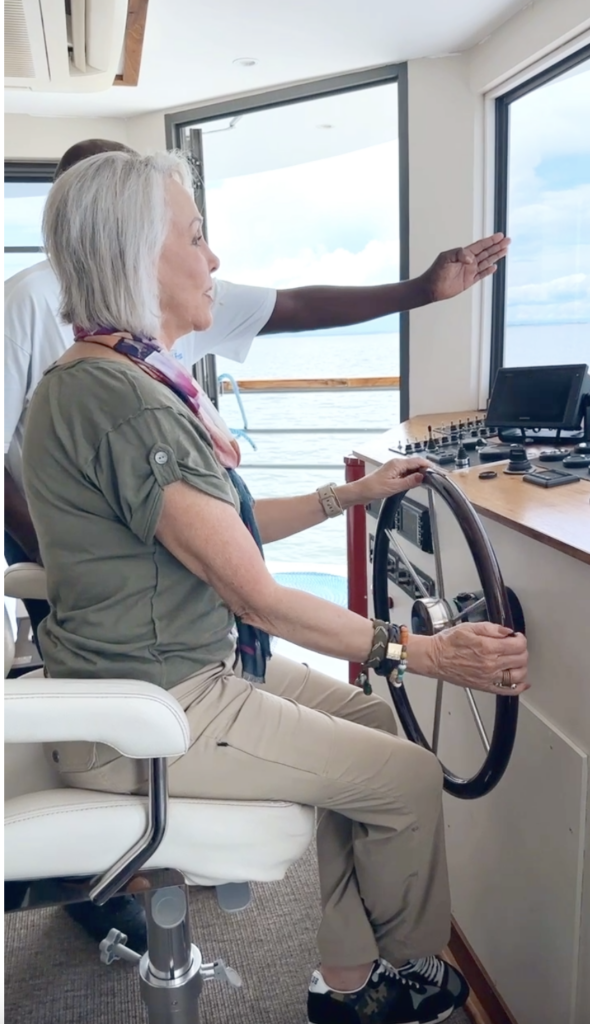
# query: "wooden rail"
[[314, 384]]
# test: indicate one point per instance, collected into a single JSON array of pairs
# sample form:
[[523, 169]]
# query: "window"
[[541, 305], [308, 185], [25, 190]]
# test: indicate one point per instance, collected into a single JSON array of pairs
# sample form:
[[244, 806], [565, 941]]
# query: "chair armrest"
[[138, 719], [26, 581]]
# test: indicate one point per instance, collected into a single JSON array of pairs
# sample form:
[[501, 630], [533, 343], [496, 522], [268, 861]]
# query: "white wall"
[[47, 138], [447, 187], [147, 133], [442, 109]]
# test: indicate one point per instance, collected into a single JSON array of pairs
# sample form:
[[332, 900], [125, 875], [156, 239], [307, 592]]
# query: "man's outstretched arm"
[[318, 307]]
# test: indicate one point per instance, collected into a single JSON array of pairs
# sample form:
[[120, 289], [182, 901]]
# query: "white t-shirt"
[[34, 338]]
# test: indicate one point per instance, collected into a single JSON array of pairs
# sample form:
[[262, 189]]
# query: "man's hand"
[[458, 269]]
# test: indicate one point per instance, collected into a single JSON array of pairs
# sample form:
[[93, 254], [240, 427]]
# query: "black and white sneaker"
[[387, 998], [433, 970]]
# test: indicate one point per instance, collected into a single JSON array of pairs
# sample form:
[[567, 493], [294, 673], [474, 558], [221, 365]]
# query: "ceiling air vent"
[[18, 55], [63, 45]]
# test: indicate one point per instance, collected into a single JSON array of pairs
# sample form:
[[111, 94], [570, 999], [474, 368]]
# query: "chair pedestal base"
[[172, 971], [172, 1000]]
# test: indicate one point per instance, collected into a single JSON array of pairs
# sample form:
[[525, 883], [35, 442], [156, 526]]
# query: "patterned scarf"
[[253, 644]]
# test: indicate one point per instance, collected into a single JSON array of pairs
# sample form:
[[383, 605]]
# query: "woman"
[[151, 551]]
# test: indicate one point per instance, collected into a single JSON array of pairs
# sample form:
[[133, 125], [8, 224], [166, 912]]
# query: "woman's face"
[[185, 268]]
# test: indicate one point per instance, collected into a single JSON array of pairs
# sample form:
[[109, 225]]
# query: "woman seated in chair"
[[152, 548]]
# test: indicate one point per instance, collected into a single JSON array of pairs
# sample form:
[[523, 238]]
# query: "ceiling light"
[[324, 125], [246, 62]]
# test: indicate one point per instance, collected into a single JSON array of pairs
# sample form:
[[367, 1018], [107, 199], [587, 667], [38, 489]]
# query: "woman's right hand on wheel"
[[482, 655]]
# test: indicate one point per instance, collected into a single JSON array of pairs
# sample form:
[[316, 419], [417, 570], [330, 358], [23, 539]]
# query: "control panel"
[[412, 521], [455, 445], [466, 443], [399, 574]]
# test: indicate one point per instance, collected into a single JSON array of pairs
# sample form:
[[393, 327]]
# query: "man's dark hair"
[[90, 147]]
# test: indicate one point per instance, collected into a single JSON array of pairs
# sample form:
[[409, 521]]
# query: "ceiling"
[[191, 46]]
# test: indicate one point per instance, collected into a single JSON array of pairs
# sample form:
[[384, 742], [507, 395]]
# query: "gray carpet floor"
[[53, 974]]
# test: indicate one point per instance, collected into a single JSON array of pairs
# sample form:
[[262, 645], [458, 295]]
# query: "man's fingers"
[[495, 252], [486, 273], [485, 243]]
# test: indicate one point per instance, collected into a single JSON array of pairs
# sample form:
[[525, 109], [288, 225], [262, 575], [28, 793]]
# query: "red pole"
[[356, 545]]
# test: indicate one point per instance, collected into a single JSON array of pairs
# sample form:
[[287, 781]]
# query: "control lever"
[[462, 460], [114, 947], [219, 971]]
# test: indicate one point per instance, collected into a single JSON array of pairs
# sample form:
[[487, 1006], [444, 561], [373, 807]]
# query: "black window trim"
[[501, 153], [28, 172], [387, 73]]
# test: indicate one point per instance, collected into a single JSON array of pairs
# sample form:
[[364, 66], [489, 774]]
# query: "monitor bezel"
[[573, 410]]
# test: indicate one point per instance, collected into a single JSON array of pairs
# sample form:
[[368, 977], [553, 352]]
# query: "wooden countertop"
[[556, 516]]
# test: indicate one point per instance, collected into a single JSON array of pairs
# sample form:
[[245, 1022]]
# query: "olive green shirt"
[[102, 441]]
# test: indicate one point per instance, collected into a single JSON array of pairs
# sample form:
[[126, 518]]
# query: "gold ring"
[[505, 682]]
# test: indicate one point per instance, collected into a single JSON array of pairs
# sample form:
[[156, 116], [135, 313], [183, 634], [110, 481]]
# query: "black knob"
[[576, 461], [431, 443], [518, 460], [462, 460]]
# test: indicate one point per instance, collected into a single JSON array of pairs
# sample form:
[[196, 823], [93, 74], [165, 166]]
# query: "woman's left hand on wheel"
[[391, 478]]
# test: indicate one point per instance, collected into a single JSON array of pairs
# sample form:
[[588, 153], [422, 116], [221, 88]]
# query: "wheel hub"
[[430, 615]]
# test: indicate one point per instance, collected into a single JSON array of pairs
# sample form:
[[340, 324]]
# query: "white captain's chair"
[[67, 845]]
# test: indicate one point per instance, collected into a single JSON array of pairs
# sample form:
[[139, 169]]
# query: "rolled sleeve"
[[148, 452]]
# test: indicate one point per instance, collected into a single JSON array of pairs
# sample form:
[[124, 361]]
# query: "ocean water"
[[310, 356], [267, 471]]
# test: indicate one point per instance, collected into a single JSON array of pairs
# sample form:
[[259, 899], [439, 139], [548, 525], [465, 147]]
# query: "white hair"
[[104, 225]]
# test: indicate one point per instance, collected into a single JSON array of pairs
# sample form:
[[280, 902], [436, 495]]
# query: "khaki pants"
[[306, 738]]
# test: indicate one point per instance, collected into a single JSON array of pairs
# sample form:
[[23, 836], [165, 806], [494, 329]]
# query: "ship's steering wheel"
[[433, 613]]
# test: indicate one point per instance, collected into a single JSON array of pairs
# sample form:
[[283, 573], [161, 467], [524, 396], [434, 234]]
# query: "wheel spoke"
[[475, 607], [440, 583], [437, 714], [480, 726], [407, 563]]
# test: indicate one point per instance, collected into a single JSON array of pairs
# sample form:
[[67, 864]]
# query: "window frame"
[[27, 172], [502, 106], [176, 121]]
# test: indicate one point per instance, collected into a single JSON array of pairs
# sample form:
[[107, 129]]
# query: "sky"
[[335, 220], [548, 275]]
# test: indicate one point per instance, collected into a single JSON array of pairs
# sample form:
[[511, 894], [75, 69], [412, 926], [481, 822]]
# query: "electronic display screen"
[[538, 396]]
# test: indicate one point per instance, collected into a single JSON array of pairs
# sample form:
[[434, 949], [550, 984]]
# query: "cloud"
[[375, 263], [575, 286], [268, 227], [561, 300]]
